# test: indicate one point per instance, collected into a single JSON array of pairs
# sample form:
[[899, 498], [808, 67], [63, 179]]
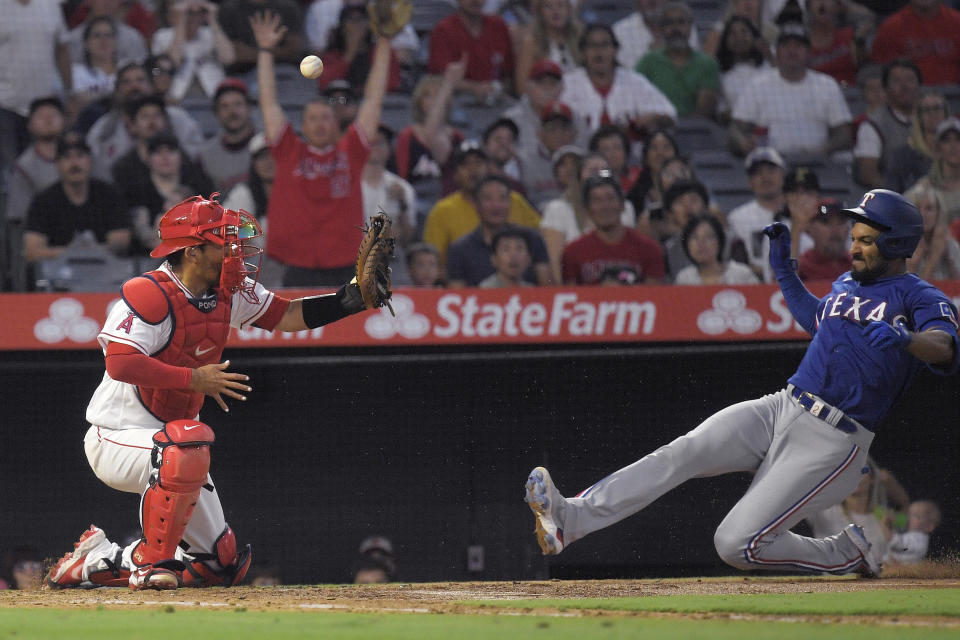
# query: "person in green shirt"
[[689, 78]]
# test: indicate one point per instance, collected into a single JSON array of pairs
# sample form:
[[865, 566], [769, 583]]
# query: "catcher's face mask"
[[241, 259], [197, 221]]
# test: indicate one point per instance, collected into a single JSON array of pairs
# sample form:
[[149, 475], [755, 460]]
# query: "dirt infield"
[[447, 597]]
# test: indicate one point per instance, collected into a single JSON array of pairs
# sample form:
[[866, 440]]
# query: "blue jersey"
[[843, 369]]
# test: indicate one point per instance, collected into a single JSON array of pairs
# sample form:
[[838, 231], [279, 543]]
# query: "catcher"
[[162, 344]]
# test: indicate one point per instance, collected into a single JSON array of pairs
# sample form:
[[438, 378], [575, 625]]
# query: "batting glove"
[[780, 260], [881, 335]]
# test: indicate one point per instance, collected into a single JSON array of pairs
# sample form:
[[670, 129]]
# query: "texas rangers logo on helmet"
[[867, 197]]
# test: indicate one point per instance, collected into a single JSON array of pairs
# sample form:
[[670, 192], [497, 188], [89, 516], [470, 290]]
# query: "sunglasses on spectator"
[[340, 100], [163, 69]]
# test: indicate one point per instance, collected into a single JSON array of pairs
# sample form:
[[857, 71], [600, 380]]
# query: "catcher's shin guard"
[[231, 567], [181, 456]]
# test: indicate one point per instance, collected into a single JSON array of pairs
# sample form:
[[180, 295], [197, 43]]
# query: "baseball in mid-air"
[[311, 67]]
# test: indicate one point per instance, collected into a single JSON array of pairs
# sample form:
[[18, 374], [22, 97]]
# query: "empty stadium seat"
[[723, 175], [427, 13], [84, 268], [699, 134], [605, 11]]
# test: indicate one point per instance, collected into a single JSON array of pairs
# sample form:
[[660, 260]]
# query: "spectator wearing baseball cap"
[[552, 34], [766, 171], [829, 256], [544, 86], [76, 203], [557, 129], [945, 170], [376, 562], [456, 215], [796, 109], [801, 192], [343, 98], [225, 156], [197, 46], [35, 169]]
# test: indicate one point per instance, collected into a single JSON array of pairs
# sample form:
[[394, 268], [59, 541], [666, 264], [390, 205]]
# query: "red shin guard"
[[181, 456]]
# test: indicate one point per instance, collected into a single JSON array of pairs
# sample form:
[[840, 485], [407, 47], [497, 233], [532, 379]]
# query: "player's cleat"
[[199, 574], [161, 575], [871, 566], [68, 571], [542, 496]]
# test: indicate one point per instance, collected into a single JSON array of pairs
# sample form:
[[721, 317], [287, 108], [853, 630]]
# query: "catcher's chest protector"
[[197, 339]]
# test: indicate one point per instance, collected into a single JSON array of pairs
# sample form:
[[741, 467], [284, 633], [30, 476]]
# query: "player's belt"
[[823, 410]]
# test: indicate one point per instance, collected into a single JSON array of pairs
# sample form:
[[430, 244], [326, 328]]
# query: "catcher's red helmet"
[[198, 220]]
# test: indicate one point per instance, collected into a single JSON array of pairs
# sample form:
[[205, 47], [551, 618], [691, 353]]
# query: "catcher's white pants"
[[802, 465], [121, 459]]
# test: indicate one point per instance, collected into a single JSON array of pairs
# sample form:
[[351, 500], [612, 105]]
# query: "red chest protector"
[[197, 338]]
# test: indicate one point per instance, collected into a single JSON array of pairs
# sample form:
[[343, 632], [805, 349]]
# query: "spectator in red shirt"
[[485, 42], [926, 32], [829, 257], [351, 47], [611, 243], [835, 50], [316, 203], [131, 12]]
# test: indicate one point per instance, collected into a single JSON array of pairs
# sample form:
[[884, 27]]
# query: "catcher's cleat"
[[68, 571], [871, 566], [163, 576], [542, 496]]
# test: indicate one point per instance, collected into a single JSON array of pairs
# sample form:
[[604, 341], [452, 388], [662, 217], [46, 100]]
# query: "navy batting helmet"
[[897, 219]]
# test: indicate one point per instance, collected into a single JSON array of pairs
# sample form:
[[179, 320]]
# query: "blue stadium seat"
[[605, 11], [723, 175], [699, 134]]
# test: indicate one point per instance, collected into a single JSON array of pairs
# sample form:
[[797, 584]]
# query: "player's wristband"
[[321, 310]]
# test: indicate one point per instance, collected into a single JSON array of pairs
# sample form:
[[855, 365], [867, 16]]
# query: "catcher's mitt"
[[389, 17], [373, 262]]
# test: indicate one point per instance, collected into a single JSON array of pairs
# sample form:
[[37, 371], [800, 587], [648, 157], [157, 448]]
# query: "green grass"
[[916, 602], [151, 623]]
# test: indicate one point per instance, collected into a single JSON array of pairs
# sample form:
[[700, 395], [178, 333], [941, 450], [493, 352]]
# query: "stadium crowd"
[[521, 143]]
